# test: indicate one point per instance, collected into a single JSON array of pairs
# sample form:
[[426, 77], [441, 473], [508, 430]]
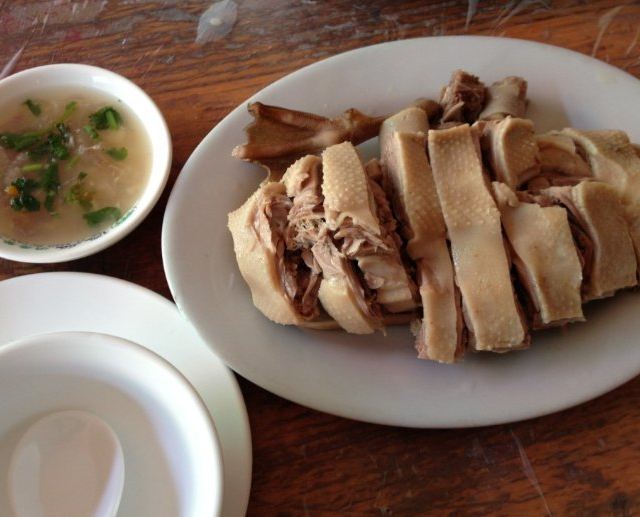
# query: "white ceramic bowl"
[[19, 86], [173, 464]]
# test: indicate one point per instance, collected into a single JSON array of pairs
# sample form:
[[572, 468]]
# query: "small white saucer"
[[56, 302]]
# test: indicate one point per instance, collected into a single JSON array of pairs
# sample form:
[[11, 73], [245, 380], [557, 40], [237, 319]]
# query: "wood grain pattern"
[[583, 461]]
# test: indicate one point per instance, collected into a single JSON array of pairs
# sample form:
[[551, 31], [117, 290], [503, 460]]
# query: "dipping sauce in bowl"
[[71, 164]]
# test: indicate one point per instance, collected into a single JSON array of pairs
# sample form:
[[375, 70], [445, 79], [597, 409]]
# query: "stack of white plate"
[[116, 351]]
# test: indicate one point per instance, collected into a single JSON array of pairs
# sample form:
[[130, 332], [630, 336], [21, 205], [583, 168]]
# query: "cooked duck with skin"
[[473, 223], [279, 136], [469, 226], [463, 98], [395, 290], [278, 282], [512, 150], [545, 257], [355, 207], [342, 293], [557, 154], [549, 179], [506, 97], [340, 289], [402, 143], [596, 208], [613, 159]]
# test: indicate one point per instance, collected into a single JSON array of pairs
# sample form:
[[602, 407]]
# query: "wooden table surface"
[[582, 461]]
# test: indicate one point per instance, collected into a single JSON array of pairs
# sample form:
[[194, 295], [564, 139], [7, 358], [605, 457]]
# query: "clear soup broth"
[[72, 162]]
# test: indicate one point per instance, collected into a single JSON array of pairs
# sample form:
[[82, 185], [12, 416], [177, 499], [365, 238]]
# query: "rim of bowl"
[[144, 354], [98, 79]]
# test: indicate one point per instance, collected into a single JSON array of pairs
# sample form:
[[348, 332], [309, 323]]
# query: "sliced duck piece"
[[340, 289], [387, 274], [545, 257], [549, 179], [411, 120], [279, 280], [613, 159], [557, 154], [512, 150], [597, 210], [463, 98], [342, 292], [402, 141], [506, 97], [356, 210], [303, 183], [480, 260]]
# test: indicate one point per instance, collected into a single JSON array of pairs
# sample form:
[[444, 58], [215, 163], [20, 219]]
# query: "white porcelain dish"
[[378, 378], [28, 83], [171, 452], [57, 302]]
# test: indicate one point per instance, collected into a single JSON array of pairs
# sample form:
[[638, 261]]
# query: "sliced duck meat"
[[506, 97], [545, 257], [342, 292], [303, 183], [387, 274], [356, 211], [558, 155], [550, 179], [412, 120], [512, 150], [612, 159], [480, 260], [339, 287], [275, 279], [463, 98], [402, 140], [597, 209]]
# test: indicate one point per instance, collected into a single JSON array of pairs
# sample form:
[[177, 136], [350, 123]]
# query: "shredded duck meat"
[[299, 281], [463, 98], [334, 263]]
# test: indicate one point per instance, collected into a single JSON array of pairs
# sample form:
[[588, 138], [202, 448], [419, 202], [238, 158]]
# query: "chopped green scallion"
[[118, 154], [99, 216], [105, 118], [32, 167], [90, 130], [68, 111], [74, 160], [24, 200], [33, 107], [50, 183]]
